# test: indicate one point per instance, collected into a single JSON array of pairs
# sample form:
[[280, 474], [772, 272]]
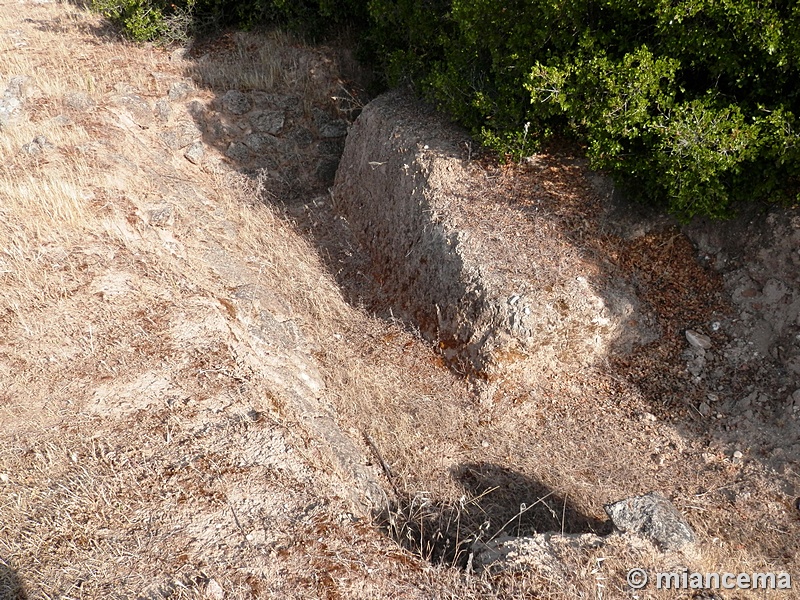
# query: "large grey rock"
[[654, 517], [403, 185]]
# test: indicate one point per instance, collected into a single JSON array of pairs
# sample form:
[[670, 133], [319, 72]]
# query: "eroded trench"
[[505, 285]]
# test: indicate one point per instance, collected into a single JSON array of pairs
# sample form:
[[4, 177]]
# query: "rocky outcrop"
[[416, 203]]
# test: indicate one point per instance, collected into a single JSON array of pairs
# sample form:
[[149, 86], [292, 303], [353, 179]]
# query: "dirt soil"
[[206, 393]]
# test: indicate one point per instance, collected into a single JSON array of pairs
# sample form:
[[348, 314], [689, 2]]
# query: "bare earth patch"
[[204, 392]]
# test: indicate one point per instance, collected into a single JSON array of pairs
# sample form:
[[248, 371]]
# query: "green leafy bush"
[[692, 103], [147, 20], [689, 103], [173, 20]]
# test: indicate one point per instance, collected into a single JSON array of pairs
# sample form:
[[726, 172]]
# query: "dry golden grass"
[[144, 449]]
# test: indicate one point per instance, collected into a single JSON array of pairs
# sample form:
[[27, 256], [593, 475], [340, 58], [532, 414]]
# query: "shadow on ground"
[[496, 501], [11, 587]]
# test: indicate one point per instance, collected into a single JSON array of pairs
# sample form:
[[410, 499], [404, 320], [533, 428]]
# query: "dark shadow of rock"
[[11, 587], [497, 501]]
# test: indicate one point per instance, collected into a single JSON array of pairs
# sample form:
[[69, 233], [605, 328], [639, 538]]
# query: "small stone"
[[237, 151], [214, 590], [3, 477], [31, 149], [162, 110], [180, 90], [704, 409], [194, 153], [79, 101], [21, 87], [235, 102], [268, 121], [36, 146], [654, 517], [161, 216], [9, 107], [484, 444], [698, 340], [737, 455]]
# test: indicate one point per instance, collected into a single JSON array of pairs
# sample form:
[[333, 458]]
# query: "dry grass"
[[144, 450]]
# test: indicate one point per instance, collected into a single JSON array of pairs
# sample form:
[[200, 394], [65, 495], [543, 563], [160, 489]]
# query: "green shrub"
[[172, 20], [147, 20], [689, 103], [692, 104]]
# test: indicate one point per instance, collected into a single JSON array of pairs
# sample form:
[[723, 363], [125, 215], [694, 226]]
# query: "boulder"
[[467, 272], [654, 517]]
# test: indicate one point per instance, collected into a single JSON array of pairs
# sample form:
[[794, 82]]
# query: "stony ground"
[[201, 382]]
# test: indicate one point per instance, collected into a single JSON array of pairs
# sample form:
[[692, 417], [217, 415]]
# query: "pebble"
[[698, 340], [235, 102], [194, 153], [214, 590]]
